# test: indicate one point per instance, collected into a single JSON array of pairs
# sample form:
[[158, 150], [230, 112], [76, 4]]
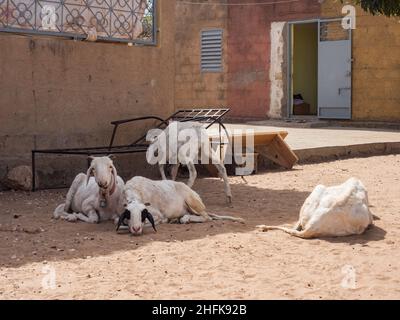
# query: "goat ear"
[[144, 214], [89, 173], [114, 180], [125, 215], [147, 215]]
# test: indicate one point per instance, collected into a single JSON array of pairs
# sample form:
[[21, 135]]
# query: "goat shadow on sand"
[[372, 233], [63, 240]]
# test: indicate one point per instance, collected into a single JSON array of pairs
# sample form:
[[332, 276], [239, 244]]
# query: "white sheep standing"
[[160, 202], [332, 211], [167, 148], [95, 196]]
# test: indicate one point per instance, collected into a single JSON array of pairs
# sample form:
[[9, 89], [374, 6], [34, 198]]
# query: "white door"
[[334, 70]]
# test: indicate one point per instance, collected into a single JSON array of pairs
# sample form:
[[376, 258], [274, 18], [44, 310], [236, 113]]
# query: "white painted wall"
[[277, 67]]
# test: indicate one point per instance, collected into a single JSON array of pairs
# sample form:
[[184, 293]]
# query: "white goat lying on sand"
[[332, 211], [172, 149], [94, 199], [160, 202]]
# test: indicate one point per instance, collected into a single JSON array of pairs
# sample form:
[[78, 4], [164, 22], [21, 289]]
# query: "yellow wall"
[[60, 93], [305, 67], [376, 66]]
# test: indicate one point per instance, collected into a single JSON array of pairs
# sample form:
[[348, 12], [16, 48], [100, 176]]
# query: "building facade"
[[274, 51], [257, 59]]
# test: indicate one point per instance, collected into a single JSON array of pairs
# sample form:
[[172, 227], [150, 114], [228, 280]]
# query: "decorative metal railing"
[[107, 20]]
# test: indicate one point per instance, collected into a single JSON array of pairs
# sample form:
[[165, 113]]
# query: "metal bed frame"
[[207, 116]]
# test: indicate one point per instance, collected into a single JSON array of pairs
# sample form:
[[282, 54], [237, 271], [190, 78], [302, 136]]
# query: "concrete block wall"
[[376, 65], [194, 88], [59, 93]]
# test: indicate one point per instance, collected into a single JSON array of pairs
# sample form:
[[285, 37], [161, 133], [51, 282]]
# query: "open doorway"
[[304, 69]]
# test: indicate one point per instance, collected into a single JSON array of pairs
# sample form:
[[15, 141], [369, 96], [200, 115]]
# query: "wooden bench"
[[268, 144]]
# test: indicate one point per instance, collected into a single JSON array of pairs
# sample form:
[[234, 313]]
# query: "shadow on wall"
[[59, 171], [62, 240]]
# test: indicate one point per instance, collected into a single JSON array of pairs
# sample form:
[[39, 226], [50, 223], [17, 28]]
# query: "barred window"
[[107, 20]]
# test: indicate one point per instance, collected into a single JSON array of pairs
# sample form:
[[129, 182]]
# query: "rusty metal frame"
[[210, 116]]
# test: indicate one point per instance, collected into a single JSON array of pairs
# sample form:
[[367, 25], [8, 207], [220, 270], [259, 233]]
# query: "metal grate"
[[211, 50], [209, 116], [199, 115], [107, 20]]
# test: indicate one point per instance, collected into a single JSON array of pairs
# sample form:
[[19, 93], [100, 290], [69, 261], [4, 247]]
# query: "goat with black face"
[[161, 202], [135, 227]]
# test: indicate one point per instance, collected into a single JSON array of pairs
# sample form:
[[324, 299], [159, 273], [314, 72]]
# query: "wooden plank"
[[269, 144], [260, 137], [279, 152]]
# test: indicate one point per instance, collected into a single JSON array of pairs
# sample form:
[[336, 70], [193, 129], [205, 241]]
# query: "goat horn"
[[114, 180], [147, 215], [125, 215], [88, 174]]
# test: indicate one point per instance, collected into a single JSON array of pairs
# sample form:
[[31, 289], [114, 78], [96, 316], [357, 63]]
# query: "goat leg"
[[222, 173], [192, 174], [174, 171]]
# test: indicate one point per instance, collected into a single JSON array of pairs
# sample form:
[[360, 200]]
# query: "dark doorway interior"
[[305, 68]]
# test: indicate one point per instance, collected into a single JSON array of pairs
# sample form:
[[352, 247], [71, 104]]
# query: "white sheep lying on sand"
[[94, 196], [160, 202], [332, 211]]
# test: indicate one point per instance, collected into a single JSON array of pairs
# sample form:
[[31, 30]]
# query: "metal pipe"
[[113, 136]]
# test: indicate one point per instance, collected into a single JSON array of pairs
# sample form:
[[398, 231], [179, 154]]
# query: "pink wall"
[[249, 51]]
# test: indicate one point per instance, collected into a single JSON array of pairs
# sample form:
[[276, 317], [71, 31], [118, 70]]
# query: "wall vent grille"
[[211, 50]]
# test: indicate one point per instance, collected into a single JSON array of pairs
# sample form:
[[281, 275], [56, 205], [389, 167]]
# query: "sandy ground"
[[212, 260]]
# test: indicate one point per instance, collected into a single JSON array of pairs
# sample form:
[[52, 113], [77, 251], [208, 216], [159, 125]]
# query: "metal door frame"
[[290, 61]]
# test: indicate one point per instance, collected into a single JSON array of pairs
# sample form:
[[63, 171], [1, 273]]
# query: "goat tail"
[[217, 217], [196, 206], [305, 234], [194, 203]]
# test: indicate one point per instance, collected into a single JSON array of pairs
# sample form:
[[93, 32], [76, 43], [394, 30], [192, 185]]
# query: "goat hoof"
[[261, 227], [70, 218], [184, 220]]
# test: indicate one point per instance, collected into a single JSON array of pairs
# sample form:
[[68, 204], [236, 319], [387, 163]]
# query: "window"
[[107, 20], [211, 50]]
